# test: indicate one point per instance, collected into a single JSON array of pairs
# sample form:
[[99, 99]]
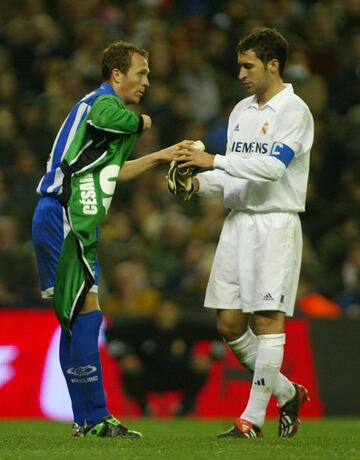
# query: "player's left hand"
[[192, 157], [170, 153]]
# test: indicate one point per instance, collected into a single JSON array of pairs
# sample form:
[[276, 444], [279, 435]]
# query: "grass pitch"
[[181, 439]]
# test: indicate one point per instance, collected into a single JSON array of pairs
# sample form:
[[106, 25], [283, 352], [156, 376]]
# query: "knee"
[[269, 322], [225, 329], [229, 328]]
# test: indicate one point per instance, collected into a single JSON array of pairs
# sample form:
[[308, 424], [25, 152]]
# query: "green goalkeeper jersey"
[[89, 170]]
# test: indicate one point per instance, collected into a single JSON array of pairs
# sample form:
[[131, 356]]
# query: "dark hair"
[[267, 44], [118, 56]]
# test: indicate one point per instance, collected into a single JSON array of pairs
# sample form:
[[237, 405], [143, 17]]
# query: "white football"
[[198, 145]]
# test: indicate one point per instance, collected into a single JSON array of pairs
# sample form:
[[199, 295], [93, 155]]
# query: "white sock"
[[267, 367], [245, 349]]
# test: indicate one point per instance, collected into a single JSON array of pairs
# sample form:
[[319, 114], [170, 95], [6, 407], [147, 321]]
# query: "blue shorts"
[[49, 229]]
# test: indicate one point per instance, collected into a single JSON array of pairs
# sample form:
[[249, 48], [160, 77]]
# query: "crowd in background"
[[152, 243]]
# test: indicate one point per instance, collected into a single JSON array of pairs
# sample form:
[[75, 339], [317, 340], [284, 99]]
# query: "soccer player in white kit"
[[263, 180]]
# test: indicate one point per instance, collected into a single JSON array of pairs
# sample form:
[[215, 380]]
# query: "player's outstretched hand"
[[193, 157], [170, 153]]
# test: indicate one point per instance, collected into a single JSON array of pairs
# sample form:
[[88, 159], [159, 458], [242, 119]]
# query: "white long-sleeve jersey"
[[266, 165]]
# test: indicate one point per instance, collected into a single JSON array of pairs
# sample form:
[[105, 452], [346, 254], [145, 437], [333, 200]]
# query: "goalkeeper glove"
[[179, 180]]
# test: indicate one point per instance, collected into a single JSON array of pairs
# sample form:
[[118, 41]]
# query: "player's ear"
[[117, 75], [273, 65]]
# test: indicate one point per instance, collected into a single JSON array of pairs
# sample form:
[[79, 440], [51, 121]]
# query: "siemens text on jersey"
[[250, 147]]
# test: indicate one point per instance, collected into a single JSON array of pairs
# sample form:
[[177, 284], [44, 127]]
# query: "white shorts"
[[257, 263]]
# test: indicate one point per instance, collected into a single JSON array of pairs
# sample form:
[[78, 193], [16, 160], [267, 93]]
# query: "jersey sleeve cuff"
[[203, 184], [141, 124], [220, 162]]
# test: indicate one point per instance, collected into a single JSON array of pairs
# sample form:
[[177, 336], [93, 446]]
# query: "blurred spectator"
[[199, 79], [312, 304], [206, 225], [165, 252], [349, 298], [91, 38], [219, 49], [309, 86], [351, 135], [155, 353], [333, 247], [158, 104], [216, 136], [146, 215], [33, 35], [345, 84], [25, 176], [130, 290], [8, 88], [8, 137], [181, 112], [187, 278], [322, 32], [5, 202], [350, 17], [35, 128], [120, 242], [18, 281]]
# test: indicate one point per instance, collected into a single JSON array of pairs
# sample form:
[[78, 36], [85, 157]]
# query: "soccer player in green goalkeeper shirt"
[[88, 156]]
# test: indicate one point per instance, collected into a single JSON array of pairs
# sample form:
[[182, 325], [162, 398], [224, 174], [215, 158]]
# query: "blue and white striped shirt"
[[51, 183]]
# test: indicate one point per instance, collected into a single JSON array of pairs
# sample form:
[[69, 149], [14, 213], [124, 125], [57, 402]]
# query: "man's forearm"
[[134, 168]]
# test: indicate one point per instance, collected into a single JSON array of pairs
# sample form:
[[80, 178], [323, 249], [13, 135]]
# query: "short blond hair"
[[118, 56]]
